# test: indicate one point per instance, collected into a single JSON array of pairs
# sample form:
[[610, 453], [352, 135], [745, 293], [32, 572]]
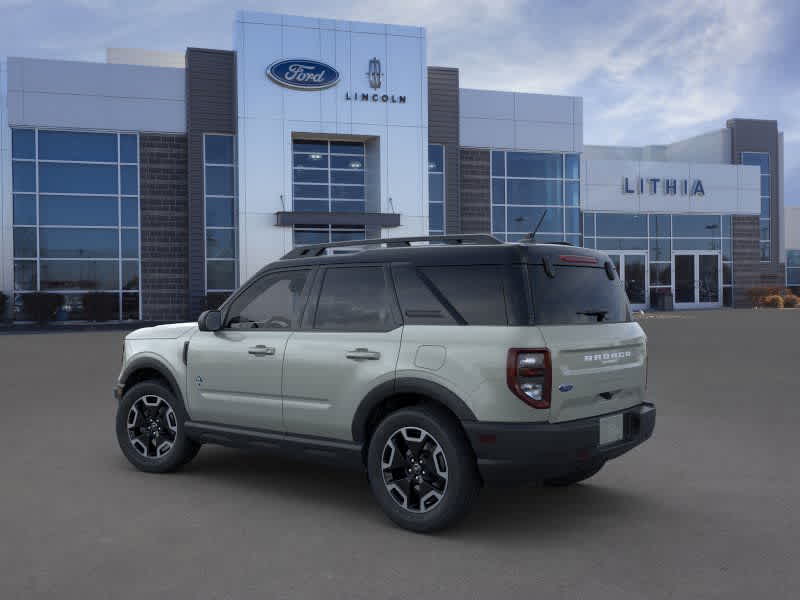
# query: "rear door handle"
[[363, 354], [261, 350]]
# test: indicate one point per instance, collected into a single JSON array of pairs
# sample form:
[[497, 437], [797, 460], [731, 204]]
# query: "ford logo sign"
[[303, 74]]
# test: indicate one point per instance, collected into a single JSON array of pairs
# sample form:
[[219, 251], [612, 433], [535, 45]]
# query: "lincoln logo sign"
[[302, 74], [667, 186]]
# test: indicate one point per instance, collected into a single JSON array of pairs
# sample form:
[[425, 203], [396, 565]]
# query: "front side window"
[[354, 299], [272, 302]]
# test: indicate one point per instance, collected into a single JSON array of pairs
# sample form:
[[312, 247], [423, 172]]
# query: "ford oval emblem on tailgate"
[[565, 387]]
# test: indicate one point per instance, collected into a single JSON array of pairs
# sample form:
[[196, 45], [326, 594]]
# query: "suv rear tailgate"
[[597, 368]]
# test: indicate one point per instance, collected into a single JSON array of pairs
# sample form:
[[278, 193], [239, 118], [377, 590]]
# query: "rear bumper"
[[537, 451]]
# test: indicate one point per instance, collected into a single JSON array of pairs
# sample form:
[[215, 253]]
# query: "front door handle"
[[363, 354], [261, 350]]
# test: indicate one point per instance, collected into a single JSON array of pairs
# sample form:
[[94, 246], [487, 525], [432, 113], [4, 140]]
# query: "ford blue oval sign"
[[303, 74]]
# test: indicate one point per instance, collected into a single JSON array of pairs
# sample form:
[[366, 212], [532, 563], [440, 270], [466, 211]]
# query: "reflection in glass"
[[79, 275], [56, 242]]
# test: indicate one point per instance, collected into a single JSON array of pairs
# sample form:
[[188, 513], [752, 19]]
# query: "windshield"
[[577, 294]]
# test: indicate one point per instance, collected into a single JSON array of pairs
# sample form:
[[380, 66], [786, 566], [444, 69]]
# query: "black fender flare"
[[407, 385], [148, 362]]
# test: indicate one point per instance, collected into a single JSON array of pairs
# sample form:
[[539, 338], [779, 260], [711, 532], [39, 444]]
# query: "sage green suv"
[[437, 365]]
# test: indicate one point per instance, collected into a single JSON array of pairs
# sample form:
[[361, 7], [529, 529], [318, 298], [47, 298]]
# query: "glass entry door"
[[632, 269], [696, 279]]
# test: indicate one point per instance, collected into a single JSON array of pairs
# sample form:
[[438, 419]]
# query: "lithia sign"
[[667, 186], [306, 74]]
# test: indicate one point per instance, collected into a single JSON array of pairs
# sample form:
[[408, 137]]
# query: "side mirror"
[[210, 320]]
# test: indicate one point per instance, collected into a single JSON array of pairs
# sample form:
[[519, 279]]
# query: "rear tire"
[[150, 429], [421, 469], [575, 476]]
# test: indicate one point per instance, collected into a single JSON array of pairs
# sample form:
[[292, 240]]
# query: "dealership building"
[[168, 179]]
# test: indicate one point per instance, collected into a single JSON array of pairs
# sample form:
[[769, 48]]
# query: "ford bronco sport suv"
[[436, 367]]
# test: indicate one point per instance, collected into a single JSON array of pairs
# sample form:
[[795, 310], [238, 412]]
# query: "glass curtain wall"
[[328, 176], [761, 160], [219, 158], [76, 220], [529, 186], [436, 189], [793, 268]]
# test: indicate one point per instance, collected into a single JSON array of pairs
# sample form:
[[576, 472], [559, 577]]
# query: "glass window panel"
[[727, 297], [696, 225], [343, 162], [436, 217], [660, 274], [305, 237], [574, 239], [525, 191], [436, 187], [311, 205], [660, 249], [128, 148], [130, 243], [79, 275], [524, 219], [130, 212], [77, 179], [347, 148], [695, 244], [589, 242], [130, 307], [77, 145], [498, 218], [353, 177], [311, 175], [219, 181], [348, 192], [759, 159], [219, 149], [572, 220], [793, 258], [435, 158], [588, 224], [573, 166], [25, 242], [219, 212], [623, 225], [765, 208], [498, 163], [348, 206], [220, 243], [23, 143], [531, 164], [355, 299], [766, 251], [310, 146], [498, 191], [763, 229], [793, 277], [77, 210], [24, 209], [315, 161], [271, 302], [727, 273], [621, 244], [310, 191], [344, 236], [25, 275], [727, 226], [765, 185], [660, 226], [23, 176], [129, 180], [56, 242], [572, 189], [130, 274], [220, 274]]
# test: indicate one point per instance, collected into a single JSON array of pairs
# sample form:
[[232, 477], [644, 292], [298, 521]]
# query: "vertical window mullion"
[[36, 188], [119, 229]]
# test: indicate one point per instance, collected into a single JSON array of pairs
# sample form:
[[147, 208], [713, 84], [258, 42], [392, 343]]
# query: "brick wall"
[[165, 231], [748, 271], [476, 215]]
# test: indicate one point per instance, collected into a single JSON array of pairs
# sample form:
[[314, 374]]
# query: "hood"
[[162, 332]]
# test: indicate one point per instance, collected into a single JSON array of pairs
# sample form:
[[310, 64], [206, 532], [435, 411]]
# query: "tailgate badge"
[[565, 387]]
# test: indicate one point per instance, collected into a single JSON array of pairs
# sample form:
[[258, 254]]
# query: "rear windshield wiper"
[[600, 314]]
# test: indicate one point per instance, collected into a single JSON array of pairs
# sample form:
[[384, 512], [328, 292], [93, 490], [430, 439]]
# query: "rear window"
[[577, 295]]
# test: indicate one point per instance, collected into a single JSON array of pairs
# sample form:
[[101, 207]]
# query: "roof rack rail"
[[318, 249]]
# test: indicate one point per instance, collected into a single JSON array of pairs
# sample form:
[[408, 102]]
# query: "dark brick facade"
[[165, 227], [748, 271], [476, 208]]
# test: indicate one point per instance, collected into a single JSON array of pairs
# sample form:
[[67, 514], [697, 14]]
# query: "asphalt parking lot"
[[707, 509]]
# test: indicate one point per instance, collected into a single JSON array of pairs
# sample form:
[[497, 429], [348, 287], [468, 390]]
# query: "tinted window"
[[22, 143], [621, 225], [80, 275], [78, 243], [219, 149], [574, 291], [475, 292], [219, 181], [696, 225], [68, 178], [417, 302], [272, 302], [24, 209], [74, 145], [128, 151], [78, 210], [354, 299], [529, 164]]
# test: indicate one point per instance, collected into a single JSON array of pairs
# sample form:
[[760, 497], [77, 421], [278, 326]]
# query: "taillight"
[[529, 375]]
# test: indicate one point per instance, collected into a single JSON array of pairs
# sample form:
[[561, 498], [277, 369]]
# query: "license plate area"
[[612, 429]]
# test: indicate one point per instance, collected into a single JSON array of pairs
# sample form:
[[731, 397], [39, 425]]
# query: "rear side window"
[[475, 293], [417, 302], [354, 299], [576, 295]]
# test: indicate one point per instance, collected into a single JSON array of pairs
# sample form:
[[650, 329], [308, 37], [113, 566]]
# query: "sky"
[[649, 72]]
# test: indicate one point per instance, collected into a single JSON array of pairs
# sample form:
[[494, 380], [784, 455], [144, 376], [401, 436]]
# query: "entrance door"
[[632, 269], [696, 279]]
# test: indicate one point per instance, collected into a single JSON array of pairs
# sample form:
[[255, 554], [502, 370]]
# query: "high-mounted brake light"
[[577, 259], [529, 375]]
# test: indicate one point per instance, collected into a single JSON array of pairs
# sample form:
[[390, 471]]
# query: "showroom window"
[[76, 221], [761, 160], [793, 268], [436, 189], [219, 158], [328, 176], [529, 186]]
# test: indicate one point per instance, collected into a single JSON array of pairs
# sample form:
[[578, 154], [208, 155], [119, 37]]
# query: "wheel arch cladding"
[[399, 393], [144, 369]]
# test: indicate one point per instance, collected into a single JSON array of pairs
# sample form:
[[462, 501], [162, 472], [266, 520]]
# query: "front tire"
[[150, 429], [421, 469]]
